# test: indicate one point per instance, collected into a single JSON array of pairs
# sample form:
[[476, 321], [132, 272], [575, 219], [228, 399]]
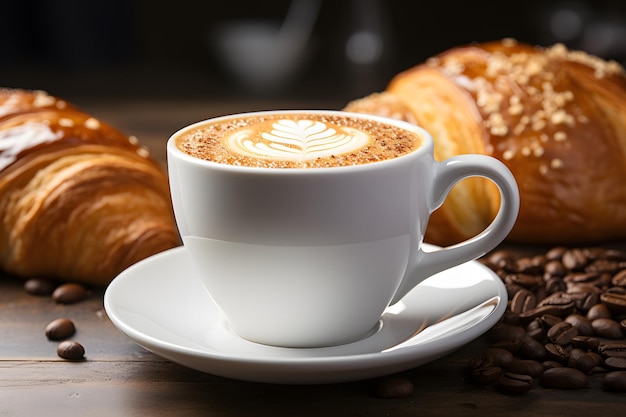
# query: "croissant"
[[80, 201], [555, 117]]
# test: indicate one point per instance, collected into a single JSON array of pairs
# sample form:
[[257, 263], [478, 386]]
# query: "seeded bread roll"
[[80, 201], [556, 118]]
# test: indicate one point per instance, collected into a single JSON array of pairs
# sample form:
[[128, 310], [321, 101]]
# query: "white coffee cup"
[[309, 257]]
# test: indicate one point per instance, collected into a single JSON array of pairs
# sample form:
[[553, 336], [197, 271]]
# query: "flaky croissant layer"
[[556, 118], [80, 201]]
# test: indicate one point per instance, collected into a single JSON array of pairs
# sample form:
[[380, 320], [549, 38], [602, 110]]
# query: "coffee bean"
[[537, 334], [554, 285], [585, 343], [562, 333], [557, 353], [607, 328], [581, 287], [527, 281], [598, 311], [603, 265], [581, 323], [583, 278], [598, 360], [39, 286], [480, 362], [522, 301], [71, 350], [484, 376], [595, 253], [619, 279], [515, 383], [616, 303], [548, 320], [615, 363], [60, 329], [616, 290], [574, 259], [584, 301], [613, 350], [525, 367], [502, 259], [535, 324], [556, 253], [554, 268], [615, 381], [394, 387], [565, 377], [499, 357], [551, 364], [559, 310], [559, 299], [581, 360], [532, 349], [69, 293], [530, 266]]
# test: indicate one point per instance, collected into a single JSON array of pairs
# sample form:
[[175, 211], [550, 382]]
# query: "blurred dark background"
[[300, 49]]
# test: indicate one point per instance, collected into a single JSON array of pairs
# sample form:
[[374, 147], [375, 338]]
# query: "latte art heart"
[[296, 140], [299, 140]]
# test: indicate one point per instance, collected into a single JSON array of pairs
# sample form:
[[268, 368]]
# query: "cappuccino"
[[297, 140]]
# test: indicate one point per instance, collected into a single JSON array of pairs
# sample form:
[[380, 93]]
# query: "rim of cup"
[[425, 147]]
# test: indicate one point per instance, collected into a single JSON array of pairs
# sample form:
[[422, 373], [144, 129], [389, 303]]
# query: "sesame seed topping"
[[143, 152], [42, 99], [538, 125], [508, 155], [92, 123], [560, 136], [556, 163], [65, 122], [601, 67], [523, 94], [133, 140]]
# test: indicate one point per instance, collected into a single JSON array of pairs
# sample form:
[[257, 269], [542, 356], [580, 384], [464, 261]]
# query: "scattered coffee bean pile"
[[565, 321], [61, 328]]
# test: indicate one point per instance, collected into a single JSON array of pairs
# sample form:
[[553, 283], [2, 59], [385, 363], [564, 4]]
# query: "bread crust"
[[556, 118], [80, 200]]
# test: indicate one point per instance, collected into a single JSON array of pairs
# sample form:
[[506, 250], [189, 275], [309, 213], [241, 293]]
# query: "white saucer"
[[162, 306]]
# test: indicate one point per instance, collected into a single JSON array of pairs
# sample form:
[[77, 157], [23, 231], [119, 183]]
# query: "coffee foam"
[[297, 141]]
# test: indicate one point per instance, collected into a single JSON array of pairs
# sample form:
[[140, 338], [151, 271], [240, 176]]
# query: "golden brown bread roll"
[[80, 201], [556, 118]]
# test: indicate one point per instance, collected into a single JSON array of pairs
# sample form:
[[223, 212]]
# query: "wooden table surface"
[[119, 378]]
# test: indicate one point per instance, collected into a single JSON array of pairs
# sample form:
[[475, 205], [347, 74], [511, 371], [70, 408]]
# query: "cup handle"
[[446, 174]]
